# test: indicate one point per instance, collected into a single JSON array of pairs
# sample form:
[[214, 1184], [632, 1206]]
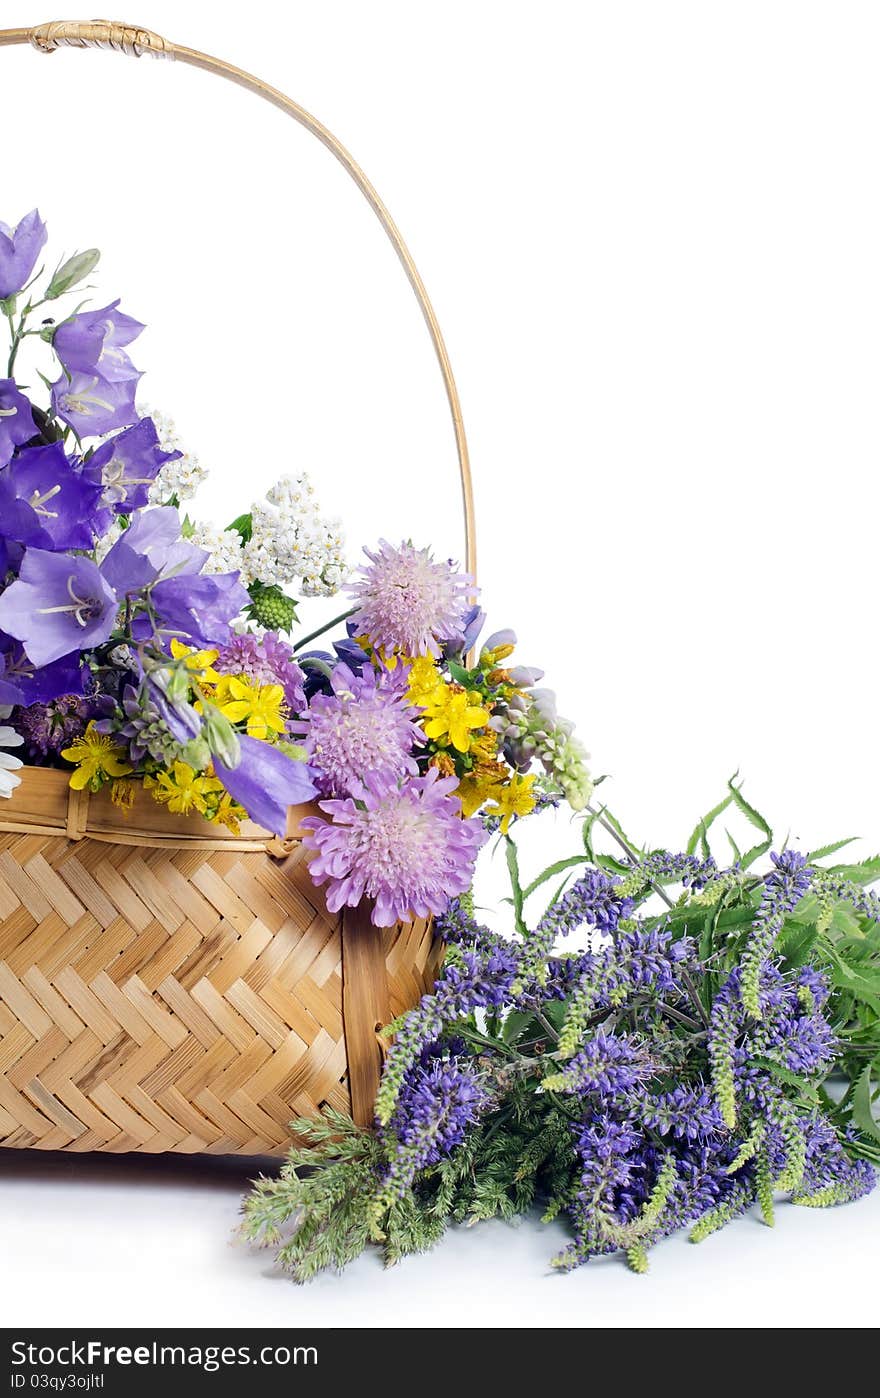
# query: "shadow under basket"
[[166, 985]]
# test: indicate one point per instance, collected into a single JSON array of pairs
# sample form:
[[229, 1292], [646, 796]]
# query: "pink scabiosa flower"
[[405, 848], [408, 602], [364, 726]]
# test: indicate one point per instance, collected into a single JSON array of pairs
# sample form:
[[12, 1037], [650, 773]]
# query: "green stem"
[[328, 626]]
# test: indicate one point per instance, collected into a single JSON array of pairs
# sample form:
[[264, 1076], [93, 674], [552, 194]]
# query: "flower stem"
[[328, 626]]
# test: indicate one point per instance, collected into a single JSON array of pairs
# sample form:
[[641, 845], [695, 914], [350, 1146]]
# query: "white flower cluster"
[[224, 550], [291, 541], [180, 478], [104, 544]]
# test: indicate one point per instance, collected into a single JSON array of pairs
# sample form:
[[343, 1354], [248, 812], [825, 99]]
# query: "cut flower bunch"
[[142, 649], [714, 1044]]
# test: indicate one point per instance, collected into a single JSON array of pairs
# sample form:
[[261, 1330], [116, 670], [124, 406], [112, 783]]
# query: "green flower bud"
[[196, 754], [220, 736], [74, 270]]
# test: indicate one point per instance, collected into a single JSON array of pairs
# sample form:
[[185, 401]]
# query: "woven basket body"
[[179, 991]]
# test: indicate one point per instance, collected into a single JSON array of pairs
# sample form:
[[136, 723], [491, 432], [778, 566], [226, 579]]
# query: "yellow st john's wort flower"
[[514, 799], [97, 757], [452, 713], [474, 790], [261, 706], [181, 789], [424, 680], [199, 662]]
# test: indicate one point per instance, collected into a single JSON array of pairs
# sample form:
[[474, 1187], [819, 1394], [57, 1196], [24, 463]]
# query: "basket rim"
[[45, 803]]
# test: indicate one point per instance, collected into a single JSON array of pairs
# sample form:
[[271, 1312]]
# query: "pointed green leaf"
[[757, 820], [702, 827], [862, 1111]]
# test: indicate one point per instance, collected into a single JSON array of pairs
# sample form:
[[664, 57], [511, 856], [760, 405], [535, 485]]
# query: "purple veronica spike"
[[60, 502], [59, 604], [92, 342], [19, 249], [126, 466], [266, 781], [17, 424], [93, 406]]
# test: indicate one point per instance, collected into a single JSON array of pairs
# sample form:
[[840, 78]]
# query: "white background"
[[650, 233]]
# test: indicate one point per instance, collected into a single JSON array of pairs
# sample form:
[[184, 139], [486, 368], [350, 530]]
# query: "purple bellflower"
[[266, 781], [17, 424], [19, 249], [93, 406], [93, 342], [59, 604], [126, 466], [46, 502]]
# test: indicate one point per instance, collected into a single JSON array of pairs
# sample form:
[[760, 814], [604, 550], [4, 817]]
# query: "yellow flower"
[[514, 799], [261, 705], [474, 791], [181, 789], [200, 662], [122, 794], [97, 757], [425, 680], [451, 713]]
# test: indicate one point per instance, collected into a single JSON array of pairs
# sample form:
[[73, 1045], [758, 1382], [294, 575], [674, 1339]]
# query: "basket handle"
[[132, 40]]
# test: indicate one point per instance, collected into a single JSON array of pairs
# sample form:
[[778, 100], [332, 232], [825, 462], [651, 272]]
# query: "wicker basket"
[[166, 985]]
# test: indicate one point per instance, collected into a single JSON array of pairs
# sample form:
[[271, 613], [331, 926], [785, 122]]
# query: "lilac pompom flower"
[[266, 781], [126, 466], [59, 604], [407, 602], [93, 406], [408, 849], [17, 424], [46, 502], [19, 249], [92, 342], [364, 725]]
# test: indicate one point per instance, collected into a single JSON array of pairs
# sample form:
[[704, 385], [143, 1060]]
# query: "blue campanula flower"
[[266, 782], [17, 424], [46, 502], [126, 466], [150, 549], [199, 609], [19, 249], [92, 342], [58, 605], [93, 406]]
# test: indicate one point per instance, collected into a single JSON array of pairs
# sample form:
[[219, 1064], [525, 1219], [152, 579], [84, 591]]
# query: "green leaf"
[[552, 870], [702, 827], [868, 871], [516, 886], [863, 1115], [806, 1088], [460, 674], [825, 850], [244, 526], [864, 988], [797, 942], [757, 820]]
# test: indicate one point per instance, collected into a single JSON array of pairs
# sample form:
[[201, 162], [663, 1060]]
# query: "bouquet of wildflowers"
[[712, 1043], [142, 649]]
